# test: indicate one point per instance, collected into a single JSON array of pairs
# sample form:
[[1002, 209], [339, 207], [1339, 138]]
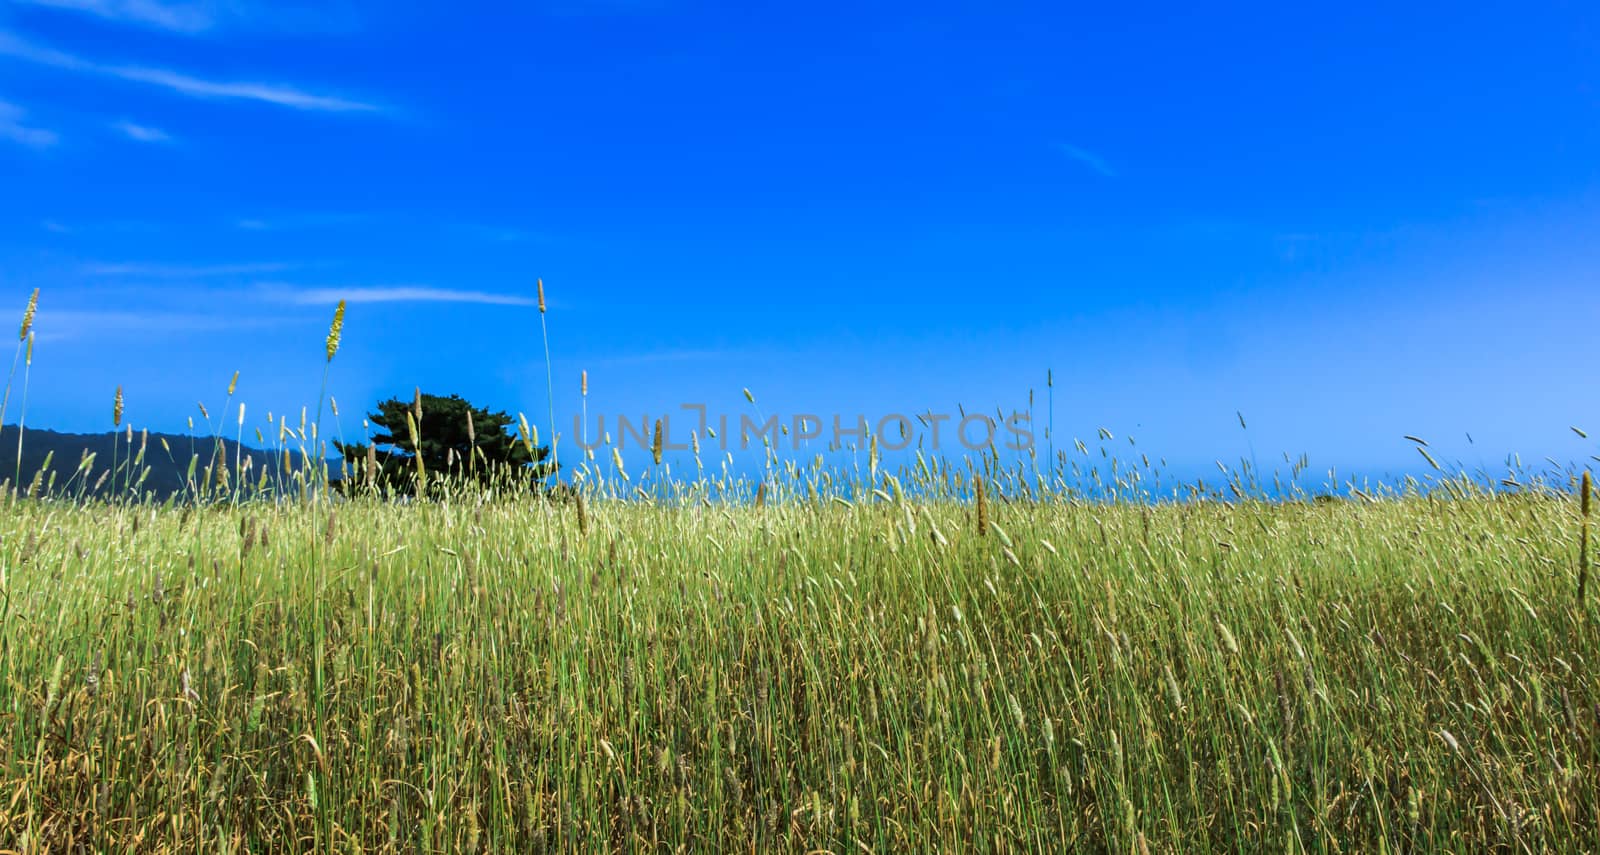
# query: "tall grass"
[[1405, 674]]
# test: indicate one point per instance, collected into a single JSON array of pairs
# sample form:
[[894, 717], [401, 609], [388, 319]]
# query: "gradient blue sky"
[[1350, 221]]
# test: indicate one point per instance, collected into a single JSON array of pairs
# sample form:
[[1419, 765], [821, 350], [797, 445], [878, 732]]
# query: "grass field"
[[1411, 674]]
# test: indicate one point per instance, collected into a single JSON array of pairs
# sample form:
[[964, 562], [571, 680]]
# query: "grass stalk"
[[550, 389], [22, 415], [22, 339], [1587, 488]]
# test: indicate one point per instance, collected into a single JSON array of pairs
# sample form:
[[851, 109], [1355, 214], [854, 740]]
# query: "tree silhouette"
[[456, 441]]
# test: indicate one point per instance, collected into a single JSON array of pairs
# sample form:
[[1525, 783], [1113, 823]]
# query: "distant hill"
[[166, 455]]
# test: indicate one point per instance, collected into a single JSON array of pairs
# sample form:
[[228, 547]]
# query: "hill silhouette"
[[165, 466]]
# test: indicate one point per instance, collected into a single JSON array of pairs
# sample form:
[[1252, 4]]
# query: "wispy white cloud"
[[183, 84], [183, 271], [274, 221], [497, 234], [12, 128], [142, 133], [177, 17], [394, 294], [282, 222], [282, 96], [601, 7], [107, 227], [63, 325], [1088, 158], [206, 17], [662, 356]]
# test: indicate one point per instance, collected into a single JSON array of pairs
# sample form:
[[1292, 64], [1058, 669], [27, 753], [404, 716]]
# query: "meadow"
[[944, 657], [1406, 674]]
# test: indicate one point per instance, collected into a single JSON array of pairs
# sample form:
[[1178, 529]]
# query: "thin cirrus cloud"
[[66, 325], [14, 128], [197, 18], [287, 222], [1088, 158], [183, 271], [176, 17], [183, 84], [663, 356], [142, 133], [396, 294]]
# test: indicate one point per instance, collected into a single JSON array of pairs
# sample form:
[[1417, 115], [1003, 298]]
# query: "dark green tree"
[[456, 441]]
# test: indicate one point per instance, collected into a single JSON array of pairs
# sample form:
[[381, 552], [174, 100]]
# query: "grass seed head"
[[529, 436], [53, 689], [1228, 640], [27, 315], [983, 507], [335, 330], [1174, 694]]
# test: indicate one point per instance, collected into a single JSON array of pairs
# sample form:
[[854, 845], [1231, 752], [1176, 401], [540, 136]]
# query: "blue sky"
[[1349, 222]]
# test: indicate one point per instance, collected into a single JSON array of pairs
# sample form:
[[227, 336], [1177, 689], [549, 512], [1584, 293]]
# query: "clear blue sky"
[[1349, 221]]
